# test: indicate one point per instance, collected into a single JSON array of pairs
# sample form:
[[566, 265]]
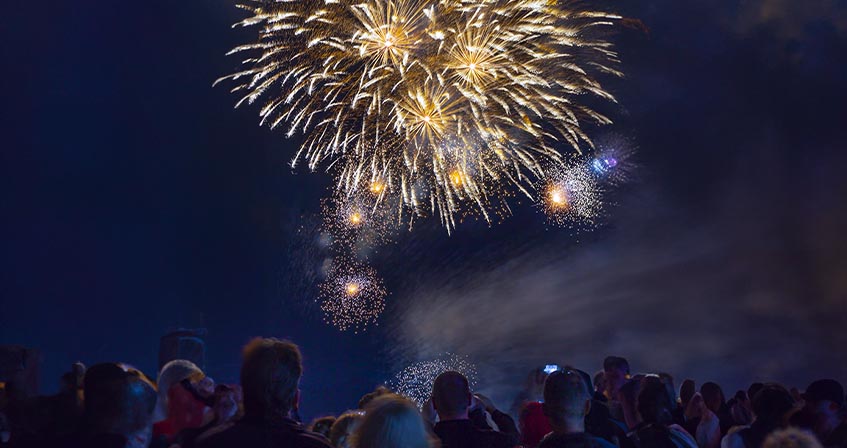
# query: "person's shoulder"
[[221, 439], [733, 439], [600, 442], [242, 434], [495, 438]]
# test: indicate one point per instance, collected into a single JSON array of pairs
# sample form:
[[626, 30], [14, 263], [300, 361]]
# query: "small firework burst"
[[415, 381], [352, 296], [572, 196], [360, 219], [613, 160]]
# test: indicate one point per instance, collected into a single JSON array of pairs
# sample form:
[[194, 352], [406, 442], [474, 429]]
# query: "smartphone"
[[550, 368]]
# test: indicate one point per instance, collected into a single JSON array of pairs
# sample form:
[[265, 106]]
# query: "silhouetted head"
[[270, 377], [600, 381], [771, 403], [451, 395], [616, 372], [566, 397], [392, 421], [118, 400], [713, 396], [654, 403], [753, 390], [824, 402]]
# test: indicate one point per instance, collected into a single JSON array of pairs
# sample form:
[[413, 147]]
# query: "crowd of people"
[[115, 405]]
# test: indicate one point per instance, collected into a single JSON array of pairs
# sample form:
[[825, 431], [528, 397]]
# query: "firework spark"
[[415, 381], [353, 296], [447, 105], [614, 160], [572, 196], [360, 220]]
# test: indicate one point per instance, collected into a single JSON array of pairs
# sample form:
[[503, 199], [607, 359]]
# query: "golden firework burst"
[[352, 296], [412, 92]]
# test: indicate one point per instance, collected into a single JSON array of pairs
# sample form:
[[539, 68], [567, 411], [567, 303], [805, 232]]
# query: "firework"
[[359, 221], [446, 105], [572, 196], [613, 161], [353, 296], [415, 381]]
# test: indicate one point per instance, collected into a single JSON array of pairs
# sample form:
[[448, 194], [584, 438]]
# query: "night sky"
[[135, 201]]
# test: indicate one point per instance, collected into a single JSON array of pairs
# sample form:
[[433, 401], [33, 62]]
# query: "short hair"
[[392, 421], [654, 403], [565, 395], [771, 403], [450, 392], [118, 399], [270, 376], [586, 378], [754, 389], [616, 362]]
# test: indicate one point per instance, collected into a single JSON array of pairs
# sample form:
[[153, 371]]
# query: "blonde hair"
[[791, 438], [339, 434], [392, 421]]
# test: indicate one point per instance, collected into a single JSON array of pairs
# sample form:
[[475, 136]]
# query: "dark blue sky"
[[135, 200]]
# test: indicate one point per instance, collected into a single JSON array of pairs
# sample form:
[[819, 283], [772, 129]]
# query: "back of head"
[[712, 395], [600, 380], [616, 363], [451, 395], [771, 403], [754, 389], [629, 391], [667, 380], [118, 399], [791, 438], [322, 425], [270, 377], [586, 378], [654, 403], [687, 391], [565, 396], [344, 426], [825, 390], [368, 397], [392, 421], [172, 373]]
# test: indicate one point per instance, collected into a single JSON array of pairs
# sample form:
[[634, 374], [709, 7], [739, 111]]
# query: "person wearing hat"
[[825, 404], [184, 398]]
